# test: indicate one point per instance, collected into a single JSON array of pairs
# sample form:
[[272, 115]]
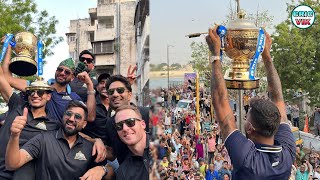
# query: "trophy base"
[[23, 66], [242, 84]]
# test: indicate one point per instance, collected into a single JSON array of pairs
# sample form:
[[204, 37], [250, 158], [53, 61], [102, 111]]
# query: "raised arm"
[[5, 88], [16, 83], [91, 100], [274, 83], [16, 157], [219, 92]]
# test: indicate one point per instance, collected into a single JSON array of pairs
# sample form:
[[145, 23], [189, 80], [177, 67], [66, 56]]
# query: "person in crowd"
[[288, 110], [211, 174], [268, 149], [295, 116], [86, 64], [316, 117], [224, 170], [302, 172], [246, 99]]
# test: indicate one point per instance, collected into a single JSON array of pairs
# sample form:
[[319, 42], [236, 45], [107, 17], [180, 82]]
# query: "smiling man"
[[60, 95], [60, 154], [37, 121], [131, 130]]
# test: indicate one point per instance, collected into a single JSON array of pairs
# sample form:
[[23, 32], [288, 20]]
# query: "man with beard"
[[60, 96], [60, 154], [86, 63], [131, 130], [37, 121], [269, 151]]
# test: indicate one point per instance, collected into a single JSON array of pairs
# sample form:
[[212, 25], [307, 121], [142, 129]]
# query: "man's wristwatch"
[[91, 92], [105, 170], [214, 58]]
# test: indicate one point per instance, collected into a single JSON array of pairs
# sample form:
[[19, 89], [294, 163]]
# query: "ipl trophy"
[[242, 43], [27, 49]]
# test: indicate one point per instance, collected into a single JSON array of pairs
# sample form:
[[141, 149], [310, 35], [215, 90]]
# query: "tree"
[[296, 54], [175, 66], [22, 15], [200, 62]]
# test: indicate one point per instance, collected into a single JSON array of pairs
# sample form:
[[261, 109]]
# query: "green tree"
[[296, 54], [175, 66], [23, 15], [200, 62]]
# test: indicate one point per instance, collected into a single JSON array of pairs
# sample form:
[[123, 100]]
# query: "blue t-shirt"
[[212, 175], [259, 161], [58, 103]]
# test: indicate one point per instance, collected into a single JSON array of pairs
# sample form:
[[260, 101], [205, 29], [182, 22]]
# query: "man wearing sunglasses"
[[269, 151], [60, 95], [120, 92], [37, 121], [131, 130], [86, 63], [61, 154]]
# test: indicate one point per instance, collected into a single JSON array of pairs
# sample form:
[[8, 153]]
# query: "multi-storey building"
[[142, 26], [110, 33]]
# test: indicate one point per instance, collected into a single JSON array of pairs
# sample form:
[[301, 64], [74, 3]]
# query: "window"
[[108, 22], [103, 47], [91, 37], [72, 38]]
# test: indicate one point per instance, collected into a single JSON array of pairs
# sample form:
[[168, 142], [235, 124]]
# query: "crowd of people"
[[177, 150]]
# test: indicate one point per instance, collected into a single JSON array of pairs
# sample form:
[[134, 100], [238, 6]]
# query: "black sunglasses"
[[129, 122], [89, 60], [77, 116], [120, 90], [66, 71], [33, 92]]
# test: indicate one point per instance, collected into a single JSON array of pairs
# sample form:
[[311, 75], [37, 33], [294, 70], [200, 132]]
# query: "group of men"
[[57, 132]]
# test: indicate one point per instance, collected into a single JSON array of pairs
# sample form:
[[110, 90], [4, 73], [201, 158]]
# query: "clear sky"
[[171, 20], [64, 11]]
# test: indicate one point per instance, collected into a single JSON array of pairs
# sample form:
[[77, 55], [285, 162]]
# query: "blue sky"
[[171, 20], [64, 11]]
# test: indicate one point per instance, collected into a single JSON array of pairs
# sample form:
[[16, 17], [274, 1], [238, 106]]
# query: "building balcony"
[[105, 34], [93, 13], [91, 28]]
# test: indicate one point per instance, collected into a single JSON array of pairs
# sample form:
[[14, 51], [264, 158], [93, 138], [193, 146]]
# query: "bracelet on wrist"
[[91, 92], [214, 58], [105, 170]]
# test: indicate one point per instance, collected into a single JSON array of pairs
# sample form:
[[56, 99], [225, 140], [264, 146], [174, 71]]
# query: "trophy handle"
[[259, 50]]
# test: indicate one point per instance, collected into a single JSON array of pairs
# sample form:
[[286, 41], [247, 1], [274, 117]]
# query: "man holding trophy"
[[268, 149]]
